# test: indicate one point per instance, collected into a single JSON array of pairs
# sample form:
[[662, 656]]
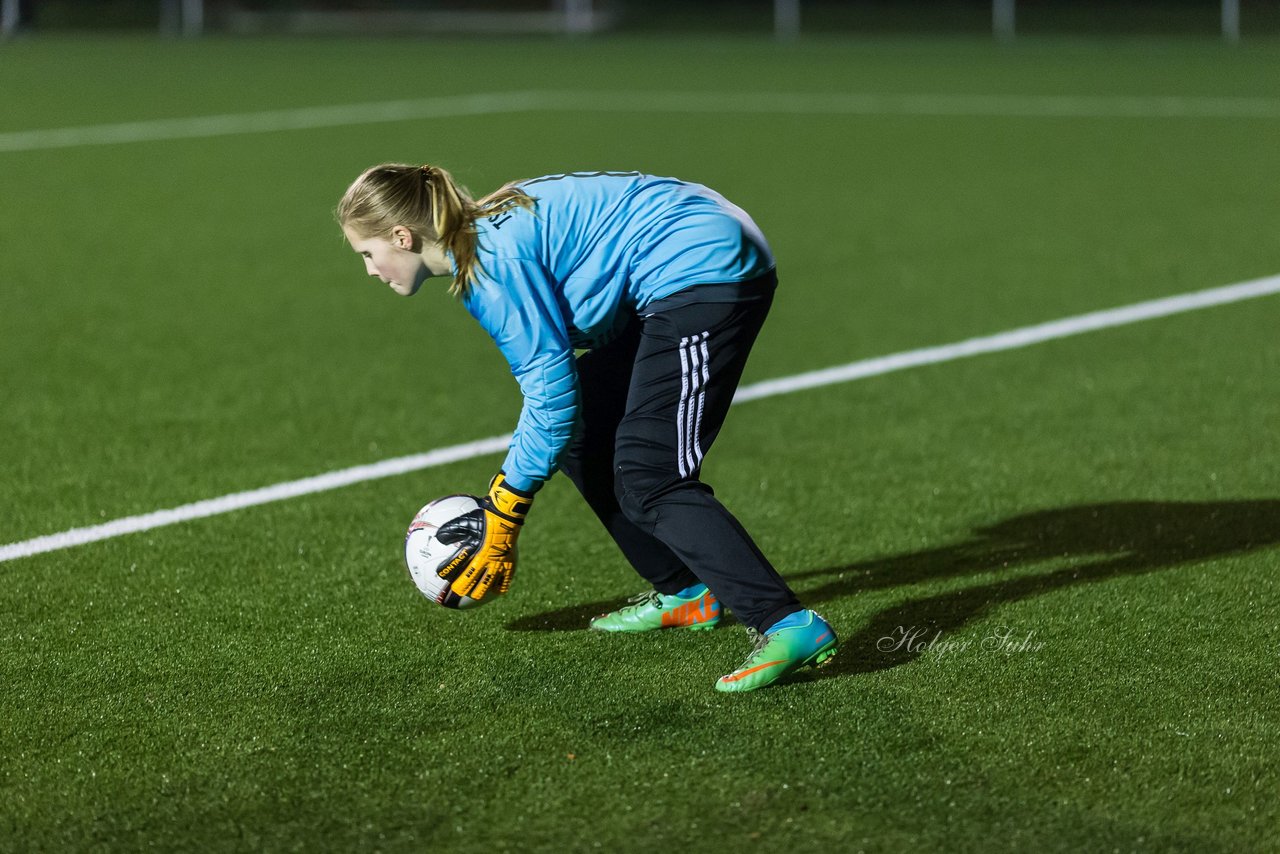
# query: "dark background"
[[826, 17]]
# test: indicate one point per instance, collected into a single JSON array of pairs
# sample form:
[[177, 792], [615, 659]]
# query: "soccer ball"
[[433, 564]]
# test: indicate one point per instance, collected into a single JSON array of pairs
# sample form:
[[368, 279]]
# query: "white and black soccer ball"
[[433, 564]]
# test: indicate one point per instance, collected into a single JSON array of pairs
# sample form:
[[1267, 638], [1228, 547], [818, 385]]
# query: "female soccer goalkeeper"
[[665, 284]]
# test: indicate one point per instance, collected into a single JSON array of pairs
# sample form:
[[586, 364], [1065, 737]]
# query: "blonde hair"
[[427, 200]]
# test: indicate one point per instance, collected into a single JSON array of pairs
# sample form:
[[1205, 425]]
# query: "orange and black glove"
[[489, 534]]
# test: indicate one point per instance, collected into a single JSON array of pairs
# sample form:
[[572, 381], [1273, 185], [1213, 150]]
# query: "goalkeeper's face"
[[392, 261]]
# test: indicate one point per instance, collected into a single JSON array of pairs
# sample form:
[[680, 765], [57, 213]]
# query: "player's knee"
[[637, 492], [646, 494]]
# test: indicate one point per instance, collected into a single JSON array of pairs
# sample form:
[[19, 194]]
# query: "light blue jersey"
[[598, 248]]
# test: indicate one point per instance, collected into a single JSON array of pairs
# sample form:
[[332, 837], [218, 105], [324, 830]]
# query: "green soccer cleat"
[[654, 610], [800, 640]]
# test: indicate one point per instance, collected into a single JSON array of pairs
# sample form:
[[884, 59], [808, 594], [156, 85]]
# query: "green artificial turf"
[[1079, 539]]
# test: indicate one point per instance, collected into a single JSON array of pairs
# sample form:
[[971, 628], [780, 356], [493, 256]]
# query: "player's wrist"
[[507, 501]]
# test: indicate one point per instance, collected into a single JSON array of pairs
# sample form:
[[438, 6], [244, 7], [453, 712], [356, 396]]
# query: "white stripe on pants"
[[694, 376]]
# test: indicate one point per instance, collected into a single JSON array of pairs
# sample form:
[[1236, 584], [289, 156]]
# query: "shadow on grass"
[[567, 619], [1092, 542], [1089, 543]]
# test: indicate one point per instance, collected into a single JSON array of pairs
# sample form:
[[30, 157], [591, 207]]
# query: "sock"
[[694, 590], [791, 621]]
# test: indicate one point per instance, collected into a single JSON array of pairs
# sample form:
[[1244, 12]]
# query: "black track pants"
[[653, 401]]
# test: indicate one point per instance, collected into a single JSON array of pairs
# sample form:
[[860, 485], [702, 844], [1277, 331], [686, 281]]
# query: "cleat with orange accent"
[[654, 610], [802, 640]]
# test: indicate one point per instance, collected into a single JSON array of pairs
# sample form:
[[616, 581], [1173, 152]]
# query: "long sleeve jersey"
[[596, 249]]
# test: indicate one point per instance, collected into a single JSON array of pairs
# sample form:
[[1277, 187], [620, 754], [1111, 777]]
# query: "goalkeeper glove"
[[489, 533]]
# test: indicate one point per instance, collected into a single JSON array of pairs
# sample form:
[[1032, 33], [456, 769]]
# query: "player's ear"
[[402, 237]]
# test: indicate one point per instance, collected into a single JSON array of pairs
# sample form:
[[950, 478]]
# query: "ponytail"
[[428, 201]]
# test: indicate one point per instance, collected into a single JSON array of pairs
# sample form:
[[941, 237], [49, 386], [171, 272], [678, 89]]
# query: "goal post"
[[192, 17], [571, 17], [182, 18], [1003, 19], [9, 17], [786, 19], [1231, 20]]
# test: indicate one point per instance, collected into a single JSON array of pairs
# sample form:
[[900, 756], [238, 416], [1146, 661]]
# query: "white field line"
[[1010, 340], [835, 103], [1014, 338], [231, 124]]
